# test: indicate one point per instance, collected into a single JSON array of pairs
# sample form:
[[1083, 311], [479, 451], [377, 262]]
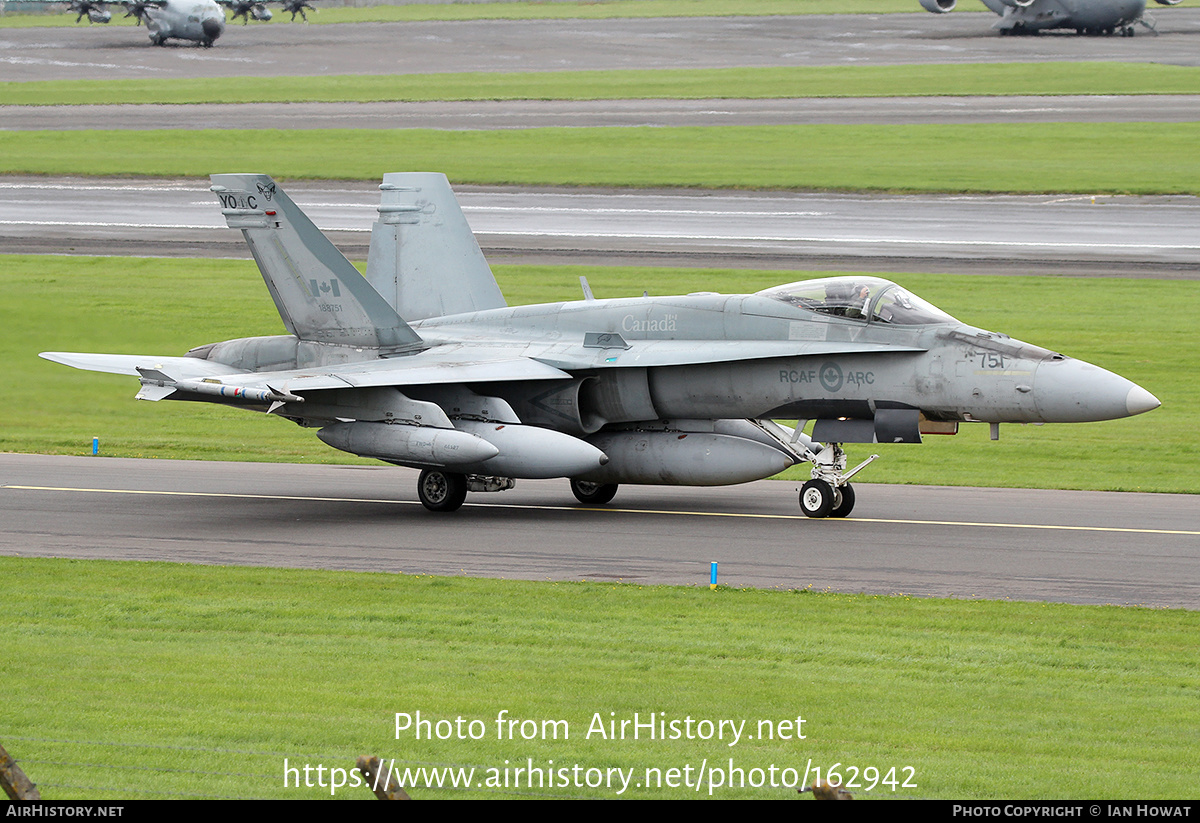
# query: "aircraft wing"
[[182, 368], [614, 352], [444, 364], [459, 363]]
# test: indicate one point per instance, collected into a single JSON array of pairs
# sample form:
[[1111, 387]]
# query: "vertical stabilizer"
[[424, 258], [320, 295]]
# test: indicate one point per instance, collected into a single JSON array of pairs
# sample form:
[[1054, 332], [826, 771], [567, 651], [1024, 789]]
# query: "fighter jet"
[[421, 363], [1085, 16], [199, 21]]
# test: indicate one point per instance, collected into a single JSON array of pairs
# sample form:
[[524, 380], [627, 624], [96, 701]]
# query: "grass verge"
[[157, 680], [787, 82], [946, 158], [158, 306]]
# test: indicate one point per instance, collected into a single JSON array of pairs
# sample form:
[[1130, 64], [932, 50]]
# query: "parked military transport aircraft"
[[1085, 16], [422, 364], [257, 9], [199, 21]]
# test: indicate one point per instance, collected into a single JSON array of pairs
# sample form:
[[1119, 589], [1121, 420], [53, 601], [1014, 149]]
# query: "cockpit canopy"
[[862, 298]]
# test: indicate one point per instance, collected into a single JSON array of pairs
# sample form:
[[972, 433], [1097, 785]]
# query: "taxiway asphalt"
[[97, 52], [1061, 546]]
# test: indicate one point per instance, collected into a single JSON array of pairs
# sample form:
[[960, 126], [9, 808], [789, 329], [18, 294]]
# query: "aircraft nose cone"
[[212, 28], [1072, 391], [1139, 400]]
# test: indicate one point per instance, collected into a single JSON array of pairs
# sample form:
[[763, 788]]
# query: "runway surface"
[[90, 52], [1127, 236], [1075, 547]]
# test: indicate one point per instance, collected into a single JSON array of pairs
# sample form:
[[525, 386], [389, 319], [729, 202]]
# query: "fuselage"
[[198, 21], [1081, 15], [821, 349], [928, 360]]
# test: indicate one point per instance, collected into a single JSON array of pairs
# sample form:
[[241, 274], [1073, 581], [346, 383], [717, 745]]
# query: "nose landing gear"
[[829, 493]]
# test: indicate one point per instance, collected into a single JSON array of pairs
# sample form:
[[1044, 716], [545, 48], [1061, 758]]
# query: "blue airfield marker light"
[[712, 584], [95, 446]]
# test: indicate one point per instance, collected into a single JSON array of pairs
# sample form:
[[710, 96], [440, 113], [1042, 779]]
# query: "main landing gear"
[[594, 494], [1107, 31], [445, 491], [442, 491]]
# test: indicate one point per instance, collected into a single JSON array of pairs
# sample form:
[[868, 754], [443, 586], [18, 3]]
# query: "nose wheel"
[[829, 493], [819, 498], [816, 498], [843, 501]]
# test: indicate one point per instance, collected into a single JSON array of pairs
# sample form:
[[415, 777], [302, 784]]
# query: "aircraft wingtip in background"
[[422, 363]]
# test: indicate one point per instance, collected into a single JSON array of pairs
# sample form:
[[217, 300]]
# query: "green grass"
[[786, 82], [1140, 158], [156, 306], [128, 680]]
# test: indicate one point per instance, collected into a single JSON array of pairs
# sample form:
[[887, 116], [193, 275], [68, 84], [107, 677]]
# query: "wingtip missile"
[[156, 385]]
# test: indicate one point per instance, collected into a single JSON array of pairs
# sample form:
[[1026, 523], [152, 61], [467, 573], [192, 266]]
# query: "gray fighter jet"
[[1084, 16], [423, 364]]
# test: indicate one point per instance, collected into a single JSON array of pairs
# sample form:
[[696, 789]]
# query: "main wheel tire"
[[441, 491], [595, 494], [843, 501], [816, 498]]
